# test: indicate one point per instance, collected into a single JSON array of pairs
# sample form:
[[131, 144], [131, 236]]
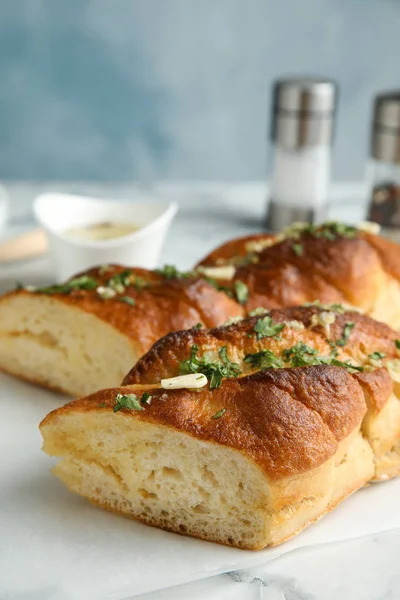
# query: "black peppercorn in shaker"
[[384, 207]]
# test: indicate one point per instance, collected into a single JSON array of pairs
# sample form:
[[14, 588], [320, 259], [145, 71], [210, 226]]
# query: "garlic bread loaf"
[[333, 263], [85, 334], [248, 464], [296, 337], [294, 410]]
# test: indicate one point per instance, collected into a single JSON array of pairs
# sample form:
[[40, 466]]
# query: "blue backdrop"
[[142, 89]]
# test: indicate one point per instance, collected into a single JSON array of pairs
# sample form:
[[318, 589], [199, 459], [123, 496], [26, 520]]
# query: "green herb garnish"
[[219, 414], [127, 300], [171, 272], [397, 344], [346, 334], [214, 371], [241, 291], [377, 355], [346, 365], [298, 249], [146, 398], [263, 360], [265, 327], [198, 326], [84, 282], [120, 281], [301, 355], [138, 282], [330, 230], [217, 286], [341, 229], [129, 401]]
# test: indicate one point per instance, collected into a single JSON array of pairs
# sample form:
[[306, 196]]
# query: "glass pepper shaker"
[[301, 138], [384, 168]]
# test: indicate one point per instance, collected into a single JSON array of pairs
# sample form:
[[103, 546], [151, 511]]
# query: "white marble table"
[[362, 569]]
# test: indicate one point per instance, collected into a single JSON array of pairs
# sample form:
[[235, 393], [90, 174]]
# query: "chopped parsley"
[[397, 344], [83, 282], [130, 401], [217, 286], [127, 300], [171, 272], [330, 230], [214, 371], [241, 291], [219, 414], [198, 326], [138, 282], [301, 355], [377, 355], [265, 327], [120, 281], [146, 398], [346, 334], [263, 360], [346, 365], [298, 249]]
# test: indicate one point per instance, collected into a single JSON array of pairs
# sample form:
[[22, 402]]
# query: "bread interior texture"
[[172, 480], [60, 346]]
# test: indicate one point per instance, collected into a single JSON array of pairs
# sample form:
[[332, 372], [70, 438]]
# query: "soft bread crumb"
[[60, 346]]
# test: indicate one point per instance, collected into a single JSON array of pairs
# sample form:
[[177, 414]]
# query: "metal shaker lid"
[[303, 112], [385, 140]]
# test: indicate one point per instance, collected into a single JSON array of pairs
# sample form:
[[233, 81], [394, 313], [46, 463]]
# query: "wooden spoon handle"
[[27, 245]]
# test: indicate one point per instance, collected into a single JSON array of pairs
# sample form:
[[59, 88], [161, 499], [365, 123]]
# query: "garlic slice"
[[193, 381], [226, 272], [369, 227]]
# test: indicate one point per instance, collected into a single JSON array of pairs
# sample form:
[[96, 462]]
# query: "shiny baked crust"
[[252, 462], [362, 271], [381, 425], [77, 342], [273, 463], [367, 336]]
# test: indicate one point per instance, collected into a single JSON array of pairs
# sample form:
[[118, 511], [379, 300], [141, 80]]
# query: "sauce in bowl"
[[101, 231]]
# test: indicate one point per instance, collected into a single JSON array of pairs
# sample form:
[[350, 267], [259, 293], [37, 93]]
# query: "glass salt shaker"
[[301, 139], [384, 167]]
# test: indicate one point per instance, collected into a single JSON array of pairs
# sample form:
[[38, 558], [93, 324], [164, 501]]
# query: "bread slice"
[[248, 464], [333, 263], [79, 338], [355, 339]]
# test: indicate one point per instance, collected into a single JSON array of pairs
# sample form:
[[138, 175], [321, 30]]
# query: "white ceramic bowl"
[[57, 213]]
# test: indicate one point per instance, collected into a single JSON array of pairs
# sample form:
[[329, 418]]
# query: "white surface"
[[59, 212], [364, 569], [68, 549]]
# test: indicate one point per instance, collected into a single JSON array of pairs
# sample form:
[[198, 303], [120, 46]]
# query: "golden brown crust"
[[233, 251], [378, 385], [367, 336], [345, 269], [287, 420], [160, 305]]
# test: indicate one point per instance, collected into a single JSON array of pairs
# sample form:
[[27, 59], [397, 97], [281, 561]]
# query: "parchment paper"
[[56, 546]]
